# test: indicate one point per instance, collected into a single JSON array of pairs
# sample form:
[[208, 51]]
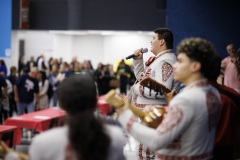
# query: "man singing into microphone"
[[158, 67]]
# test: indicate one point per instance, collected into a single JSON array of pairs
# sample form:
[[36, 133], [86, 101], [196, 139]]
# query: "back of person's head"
[[88, 137], [13, 69], [231, 49], [200, 50], [77, 93], [34, 72], [24, 70], [167, 35]]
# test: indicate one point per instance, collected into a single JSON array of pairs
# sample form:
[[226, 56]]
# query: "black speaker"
[[161, 4], [21, 47]]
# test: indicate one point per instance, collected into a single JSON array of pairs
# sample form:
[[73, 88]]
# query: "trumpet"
[[151, 119]]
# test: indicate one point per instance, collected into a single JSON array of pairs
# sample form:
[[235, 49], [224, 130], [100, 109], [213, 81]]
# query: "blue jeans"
[[55, 98], [22, 106]]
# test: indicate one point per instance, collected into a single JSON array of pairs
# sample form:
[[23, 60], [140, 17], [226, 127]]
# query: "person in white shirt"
[[188, 128], [84, 136]]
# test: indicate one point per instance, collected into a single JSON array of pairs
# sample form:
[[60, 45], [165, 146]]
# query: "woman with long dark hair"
[[84, 137], [43, 88]]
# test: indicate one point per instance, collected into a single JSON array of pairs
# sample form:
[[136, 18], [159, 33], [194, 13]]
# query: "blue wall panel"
[[217, 21], [5, 26]]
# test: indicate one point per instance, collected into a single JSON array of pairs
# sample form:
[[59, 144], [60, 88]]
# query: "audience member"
[[41, 64], [43, 88], [54, 82], [5, 105], [231, 66], [66, 70], [123, 72], [30, 64], [3, 67], [12, 78], [103, 78], [3, 94], [26, 90], [21, 63]]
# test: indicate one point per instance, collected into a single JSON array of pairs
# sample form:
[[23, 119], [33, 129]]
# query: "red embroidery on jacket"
[[140, 156], [167, 70], [148, 153], [213, 107], [172, 118], [145, 74], [130, 123], [148, 72], [195, 157], [150, 60], [140, 106]]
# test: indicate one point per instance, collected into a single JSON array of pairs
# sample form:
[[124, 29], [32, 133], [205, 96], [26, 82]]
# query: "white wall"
[[120, 46], [96, 47], [89, 47]]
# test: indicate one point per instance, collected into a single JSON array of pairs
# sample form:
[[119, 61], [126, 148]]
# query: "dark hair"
[[24, 69], [44, 76], [43, 65], [167, 35], [200, 50], [2, 63], [12, 69], [77, 93], [77, 96], [87, 137]]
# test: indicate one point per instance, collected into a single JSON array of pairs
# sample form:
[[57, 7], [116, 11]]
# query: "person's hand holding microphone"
[[138, 54]]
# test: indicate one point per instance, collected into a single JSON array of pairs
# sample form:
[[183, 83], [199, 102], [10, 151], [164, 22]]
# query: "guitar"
[[154, 85], [4, 152], [151, 119]]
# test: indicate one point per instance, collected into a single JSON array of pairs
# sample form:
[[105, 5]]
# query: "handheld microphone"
[[144, 50]]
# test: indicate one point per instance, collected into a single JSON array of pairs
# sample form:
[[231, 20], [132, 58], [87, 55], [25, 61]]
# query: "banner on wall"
[[24, 14]]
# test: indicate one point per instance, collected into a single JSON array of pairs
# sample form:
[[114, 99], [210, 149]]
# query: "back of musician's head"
[[200, 50], [167, 35], [77, 93]]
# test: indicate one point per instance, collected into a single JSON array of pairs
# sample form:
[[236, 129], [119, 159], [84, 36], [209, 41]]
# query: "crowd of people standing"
[[33, 84]]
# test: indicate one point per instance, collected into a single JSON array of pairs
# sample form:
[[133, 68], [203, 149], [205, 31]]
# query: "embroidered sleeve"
[[164, 74], [171, 119], [130, 123], [167, 71], [213, 108], [174, 124]]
